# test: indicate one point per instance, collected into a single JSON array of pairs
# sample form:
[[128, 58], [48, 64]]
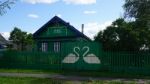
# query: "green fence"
[[73, 55], [133, 62], [31, 60], [79, 56]]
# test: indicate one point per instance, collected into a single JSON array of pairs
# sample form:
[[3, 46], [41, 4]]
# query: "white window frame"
[[57, 47], [44, 47]]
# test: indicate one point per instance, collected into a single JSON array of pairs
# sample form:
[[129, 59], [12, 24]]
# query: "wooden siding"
[[61, 31]]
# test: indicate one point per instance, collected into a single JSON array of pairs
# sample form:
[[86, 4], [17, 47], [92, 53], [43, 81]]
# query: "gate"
[[81, 55]]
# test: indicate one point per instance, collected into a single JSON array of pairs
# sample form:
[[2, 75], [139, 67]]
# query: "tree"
[[29, 42], [137, 8], [140, 11], [129, 35], [20, 38], [5, 5], [120, 36]]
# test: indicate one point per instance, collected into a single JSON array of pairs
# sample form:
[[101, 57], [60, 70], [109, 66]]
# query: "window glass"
[[57, 47], [44, 47]]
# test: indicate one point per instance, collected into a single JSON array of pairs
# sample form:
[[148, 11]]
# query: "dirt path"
[[53, 76], [68, 78]]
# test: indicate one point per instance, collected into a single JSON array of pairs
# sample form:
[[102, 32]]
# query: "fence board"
[[34, 60], [121, 62]]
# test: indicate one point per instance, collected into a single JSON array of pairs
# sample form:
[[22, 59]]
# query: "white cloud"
[[91, 29], [6, 35], [85, 2], [40, 1], [33, 16], [59, 15], [90, 12]]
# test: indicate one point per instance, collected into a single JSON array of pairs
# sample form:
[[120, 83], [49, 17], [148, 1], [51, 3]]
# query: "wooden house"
[[3, 42], [56, 31]]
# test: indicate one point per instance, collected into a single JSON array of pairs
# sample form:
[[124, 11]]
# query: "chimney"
[[82, 28]]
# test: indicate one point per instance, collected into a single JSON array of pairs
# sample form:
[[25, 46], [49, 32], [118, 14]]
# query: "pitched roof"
[[57, 19], [3, 40]]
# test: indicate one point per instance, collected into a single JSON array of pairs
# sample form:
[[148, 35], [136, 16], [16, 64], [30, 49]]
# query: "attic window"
[[57, 31]]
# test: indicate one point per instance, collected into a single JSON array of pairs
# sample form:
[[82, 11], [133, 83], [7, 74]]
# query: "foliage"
[[119, 36], [129, 35], [21, 38], [5, 5], [137, 9], [140, 11]]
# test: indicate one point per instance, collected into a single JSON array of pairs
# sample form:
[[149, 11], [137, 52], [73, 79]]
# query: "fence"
[[127, 62], [79, 56], [31, 60]]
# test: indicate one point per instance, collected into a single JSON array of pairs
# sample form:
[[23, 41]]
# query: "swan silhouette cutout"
[[72, 58], [90, 58]]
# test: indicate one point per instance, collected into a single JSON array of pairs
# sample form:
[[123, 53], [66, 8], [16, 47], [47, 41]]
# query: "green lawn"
[[11, 80], [29, 71]]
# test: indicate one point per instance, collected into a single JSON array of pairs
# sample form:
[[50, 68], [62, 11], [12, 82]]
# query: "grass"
[[11, 80], [14, 80], [28, 71], [78, 73]]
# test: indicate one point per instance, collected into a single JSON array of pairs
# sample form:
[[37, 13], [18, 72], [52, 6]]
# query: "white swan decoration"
[[90, 58], [72, 58]]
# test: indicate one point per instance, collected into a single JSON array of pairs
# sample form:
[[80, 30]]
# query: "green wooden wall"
[[60, 31], [56, 33]]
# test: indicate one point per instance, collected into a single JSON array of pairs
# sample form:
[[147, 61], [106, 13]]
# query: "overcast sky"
[[30, 15]]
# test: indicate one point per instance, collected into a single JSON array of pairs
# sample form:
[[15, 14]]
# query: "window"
[[57, 47], [44, 47]]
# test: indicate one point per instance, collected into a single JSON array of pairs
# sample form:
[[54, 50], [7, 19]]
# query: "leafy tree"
[[29, 39], [129, 35], [5, 5], [140, 11], [120, 36], [20, 38], [137, 8]]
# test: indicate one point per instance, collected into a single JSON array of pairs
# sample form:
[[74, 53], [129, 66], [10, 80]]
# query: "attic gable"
[[57, 27]]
